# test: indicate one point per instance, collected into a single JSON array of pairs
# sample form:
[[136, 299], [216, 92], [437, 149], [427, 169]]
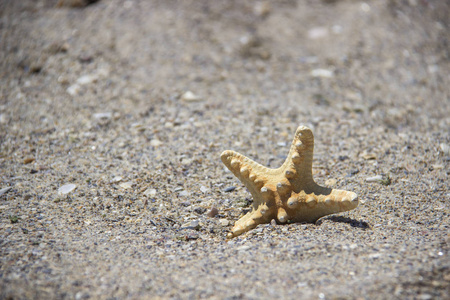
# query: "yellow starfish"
[[287, 194]]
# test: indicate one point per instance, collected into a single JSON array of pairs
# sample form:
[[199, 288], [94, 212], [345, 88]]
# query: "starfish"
[[288, 194]]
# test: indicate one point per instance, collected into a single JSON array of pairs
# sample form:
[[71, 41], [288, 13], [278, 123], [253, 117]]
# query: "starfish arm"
[[249, 172], [298, 164], [311, 207], [263, 214]]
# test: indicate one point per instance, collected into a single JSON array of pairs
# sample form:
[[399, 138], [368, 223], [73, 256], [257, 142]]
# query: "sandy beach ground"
[[113, 116]]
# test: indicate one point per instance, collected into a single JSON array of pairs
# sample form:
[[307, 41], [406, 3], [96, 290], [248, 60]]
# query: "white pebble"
[[126, 185], [374, 178], [74, 89], [86, 79], [224, 222], [65, 189], [116, 179], [150, 192], [317, 33], [155, 143], [103, 115], [322, 73], [445, 149], [184, 194], [5, 190], [190, 97]]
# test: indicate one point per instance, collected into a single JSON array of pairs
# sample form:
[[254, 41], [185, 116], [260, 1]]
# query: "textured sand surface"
[[96, 97]]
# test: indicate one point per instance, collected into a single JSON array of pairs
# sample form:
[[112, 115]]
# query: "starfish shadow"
[[350, 221]]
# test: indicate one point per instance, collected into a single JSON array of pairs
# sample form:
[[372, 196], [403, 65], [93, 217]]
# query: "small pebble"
[[155, 143], [317, 33], [262, 9], [87, 79], [103, 115], [191, 236], [74, 89], [212, 212], [150, 192], [116, 179], [444, 148], [183, 194], [224, 222], [5, 190], [194, 224], [352, 172], [369, 156], [65, 189], [190, 97], [199, 210], [3, 119], [376, 178], [229, 189], [28, 160], [126, 185], [323, 73], [204, 189]]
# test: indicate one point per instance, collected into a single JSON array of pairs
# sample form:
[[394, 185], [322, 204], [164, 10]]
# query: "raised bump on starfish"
[[289, 193]]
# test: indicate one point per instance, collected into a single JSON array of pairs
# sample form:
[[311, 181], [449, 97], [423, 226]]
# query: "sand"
[[113, 116]]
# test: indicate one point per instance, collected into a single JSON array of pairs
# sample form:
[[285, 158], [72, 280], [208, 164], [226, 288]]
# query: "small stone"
[[126, 185], [85, 58], [212, 212], [191, 236], [262, 9], [75, 3], [186, 161], [183, 194], [369, 156], [229, 189], [74, 89], [352, 172], [444, 148], [87, 79], [103, 116], [376, 178], [204, 189], [224, 222], [323, 73], [317, 33], [58, 47], [116, 179], [3, 119], [199, 210], [28, 160], [150, 192], [194, 224], [5, 190], [190, 97], [155, 143], [65, 189]]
